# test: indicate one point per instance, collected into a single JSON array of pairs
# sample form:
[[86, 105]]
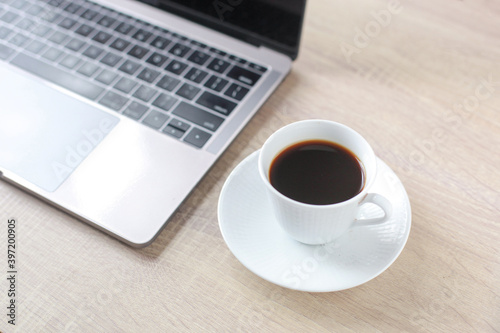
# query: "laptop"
[[114, 110]]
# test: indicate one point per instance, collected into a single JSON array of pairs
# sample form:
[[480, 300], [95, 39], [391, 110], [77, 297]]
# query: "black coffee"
[[317, 172]]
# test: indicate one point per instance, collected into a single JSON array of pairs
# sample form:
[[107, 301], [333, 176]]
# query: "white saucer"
[[255, 238]]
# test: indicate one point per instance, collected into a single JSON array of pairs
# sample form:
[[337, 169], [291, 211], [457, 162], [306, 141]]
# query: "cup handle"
[[380, 201]]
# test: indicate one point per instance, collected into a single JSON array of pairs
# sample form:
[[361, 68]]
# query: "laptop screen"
[[276, 24]]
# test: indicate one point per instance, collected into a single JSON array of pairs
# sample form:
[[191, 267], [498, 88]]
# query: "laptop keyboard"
[[179, 86]]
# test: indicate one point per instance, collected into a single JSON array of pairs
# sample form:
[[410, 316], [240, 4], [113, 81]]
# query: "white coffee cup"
[[320, 224]]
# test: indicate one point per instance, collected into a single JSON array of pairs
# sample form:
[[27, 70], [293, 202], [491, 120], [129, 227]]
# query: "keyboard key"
[[19, 4], [125, 85], [52, 54], [155, 119], [102, 37], [93, 52], [216, 103], [144, 93], [72, 8], [106, 77], [5, 32], [106, 21], [89, 14], [160, 42], [216, 83], [67, 23], [75, 44], [243, 75], [119, 44], [84, 30], [258, 68], [168, 83], [35, 10], [9, 17], [142, 35], [179, 50], [161, 30], [60, 77], [200, 45], [19, 40], [217, 51], [236, 91], [26, 24], [50, 16], [70, 61], [41, 30], [197, 137], [55, 3], [113, 101], [198, 57], [179, 124], [196, 75], [179, 36], [5, 51], [138, 52], [135, 110], [129, 67], [218, 65], [157, 59], [36, 47], [173, 131], [198, 116], [88, 69], [124, 28], [165, 102], [111, 59], [58, 37], [148, 75], [176, 67], [237, 59], [188, 91]]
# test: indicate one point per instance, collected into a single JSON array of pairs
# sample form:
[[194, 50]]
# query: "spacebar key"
[[57, 76]]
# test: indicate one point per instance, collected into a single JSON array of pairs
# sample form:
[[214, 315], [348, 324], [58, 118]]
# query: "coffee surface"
[[317, 172]]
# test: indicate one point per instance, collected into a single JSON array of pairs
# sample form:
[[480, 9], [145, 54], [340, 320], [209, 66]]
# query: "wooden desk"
[[423, 87]]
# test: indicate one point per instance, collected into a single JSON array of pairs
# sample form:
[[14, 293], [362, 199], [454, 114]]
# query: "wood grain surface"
[[422, 84]]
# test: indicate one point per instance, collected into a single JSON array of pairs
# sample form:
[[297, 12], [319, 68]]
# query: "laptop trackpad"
[[44, 133]]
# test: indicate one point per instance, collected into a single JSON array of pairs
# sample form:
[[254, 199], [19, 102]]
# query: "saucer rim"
[[401, 245]]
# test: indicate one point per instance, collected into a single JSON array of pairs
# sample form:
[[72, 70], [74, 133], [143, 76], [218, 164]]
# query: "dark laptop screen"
[[274, 23]]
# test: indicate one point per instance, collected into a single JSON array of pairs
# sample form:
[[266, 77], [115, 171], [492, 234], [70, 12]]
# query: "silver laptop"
[[113, 110]]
